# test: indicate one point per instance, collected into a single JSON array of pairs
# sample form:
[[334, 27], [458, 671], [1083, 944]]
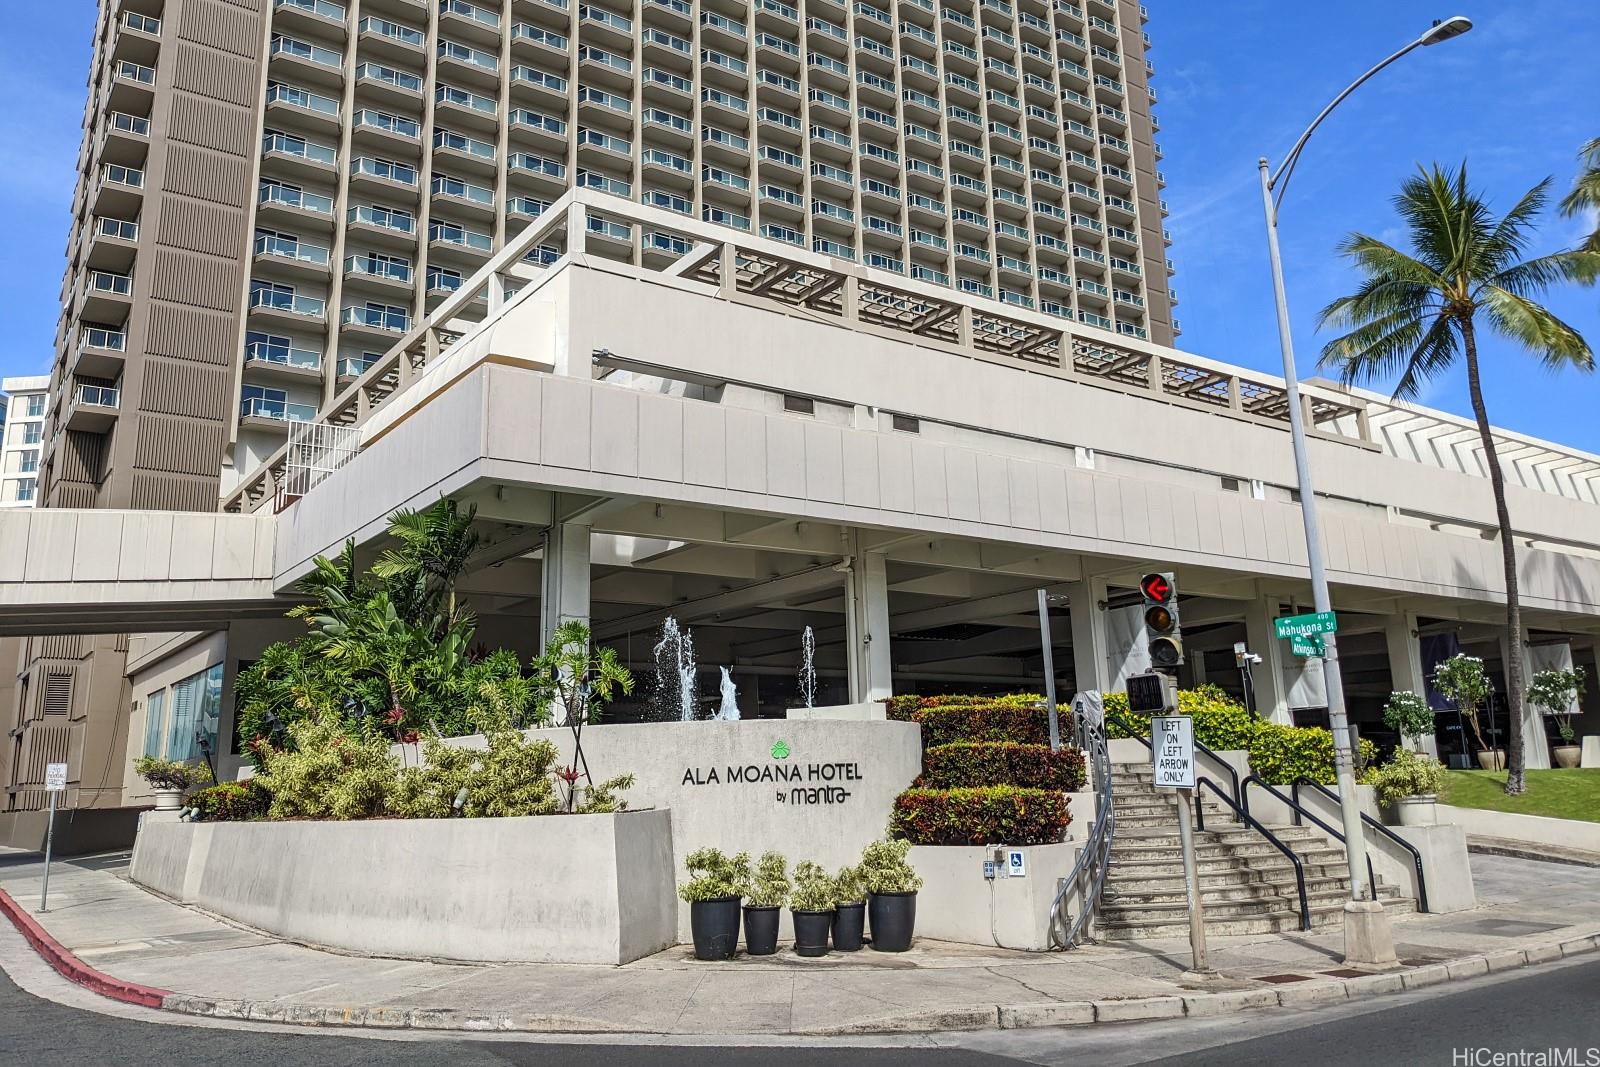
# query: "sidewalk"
[[1530, 912]]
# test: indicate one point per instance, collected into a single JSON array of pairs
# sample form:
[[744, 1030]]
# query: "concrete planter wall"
[[553, 889], [957, 904]]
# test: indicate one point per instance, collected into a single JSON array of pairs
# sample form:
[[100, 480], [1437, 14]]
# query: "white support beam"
[[564, 592]]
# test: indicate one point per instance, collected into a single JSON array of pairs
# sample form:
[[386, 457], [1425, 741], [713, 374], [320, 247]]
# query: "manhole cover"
[[1284, 979]]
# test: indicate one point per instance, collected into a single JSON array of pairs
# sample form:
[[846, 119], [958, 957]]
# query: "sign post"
[[1172, 752], [55, 783]]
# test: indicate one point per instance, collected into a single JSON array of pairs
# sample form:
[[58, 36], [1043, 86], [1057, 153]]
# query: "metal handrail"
[[1367, 820], [1089, 716], [1272, 839], [1299, 811], [1133, 731]]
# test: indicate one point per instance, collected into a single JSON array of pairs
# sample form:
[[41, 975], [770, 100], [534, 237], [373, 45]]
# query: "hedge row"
[[966, 764], [230, 802], [1023, 724], [1278, 753], [990, 815], [904, 708]]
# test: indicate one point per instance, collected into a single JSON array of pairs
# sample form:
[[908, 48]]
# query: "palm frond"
[[1534, 276], [1537, 329]]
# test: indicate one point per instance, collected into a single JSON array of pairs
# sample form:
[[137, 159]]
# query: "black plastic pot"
[[761, 930], [849, 922], [893, 917], [811, 932], [715, 926]]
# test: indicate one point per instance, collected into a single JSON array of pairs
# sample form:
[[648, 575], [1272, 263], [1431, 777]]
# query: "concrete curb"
[[72, 968], [975, 1017]]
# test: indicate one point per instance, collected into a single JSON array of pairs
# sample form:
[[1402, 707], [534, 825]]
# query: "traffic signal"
[[1161, 621]]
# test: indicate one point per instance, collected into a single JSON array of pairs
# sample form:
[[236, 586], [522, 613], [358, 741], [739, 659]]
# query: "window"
[[196, 706], [25, 488], [907, 424], [35, 408], [802, 405], [155, 707]]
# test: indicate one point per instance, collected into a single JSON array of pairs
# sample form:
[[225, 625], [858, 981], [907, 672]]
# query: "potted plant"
[[1556, 694], [712, 892], [170, 779], [1410, 783], [769, 892], [1408, 715], [1461, 679], [849, 909], [812, 908], [892, 894]]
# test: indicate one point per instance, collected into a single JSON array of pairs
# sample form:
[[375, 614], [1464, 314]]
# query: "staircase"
[[1247, 885]]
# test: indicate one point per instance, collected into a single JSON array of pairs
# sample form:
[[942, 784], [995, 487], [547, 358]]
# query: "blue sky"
[[1237, 79]]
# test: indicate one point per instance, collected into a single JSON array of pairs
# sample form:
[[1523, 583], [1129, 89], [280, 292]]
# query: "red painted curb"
[[72, 968]]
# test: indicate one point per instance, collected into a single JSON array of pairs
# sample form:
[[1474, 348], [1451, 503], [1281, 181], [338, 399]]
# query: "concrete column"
[[1535, 742], [564, 591], [1270, 676], [1089, 666], [867, 629], [1405, 664]]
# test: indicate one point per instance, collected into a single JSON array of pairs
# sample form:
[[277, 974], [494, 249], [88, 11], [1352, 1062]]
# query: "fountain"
[[677, 689], [808, 667], [729, 711]]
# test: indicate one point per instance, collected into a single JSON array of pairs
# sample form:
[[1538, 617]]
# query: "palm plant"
[[1416, 313], [1585, 195]]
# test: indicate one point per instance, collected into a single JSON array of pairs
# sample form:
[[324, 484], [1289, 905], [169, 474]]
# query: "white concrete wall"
[[669, 758], [1446, 868], [956, 903], [1531, 829], [556, 889]]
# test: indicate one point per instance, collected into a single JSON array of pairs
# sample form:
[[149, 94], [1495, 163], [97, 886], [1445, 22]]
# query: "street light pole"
[[1367, 936]]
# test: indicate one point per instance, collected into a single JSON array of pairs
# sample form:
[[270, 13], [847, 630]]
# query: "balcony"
[[480, 111], [106, 296], [275, 199], [384, 272], [385, 176], [398, 228], [448, 236], [470, 22], [380, 36], [304, 61], [291, 253], [352, 367], [132, 87], [302, 105], [467, 151], [321, 15], [375, 319], [92, 408], [274, 360], [298, 156], [119, 192], [112, 243], [460, 194], [385, 129], [389, 84], [100, 352], [286, 307], [473, 65], [268, 413]]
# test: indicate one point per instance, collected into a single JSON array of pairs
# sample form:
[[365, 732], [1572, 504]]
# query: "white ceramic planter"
[[1419, 811], [169, 799], [1492, 761], [1567, 756]]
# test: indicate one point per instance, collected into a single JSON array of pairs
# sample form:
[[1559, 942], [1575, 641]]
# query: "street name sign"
[[1172, 751], [1291, 626], [1308, 646]]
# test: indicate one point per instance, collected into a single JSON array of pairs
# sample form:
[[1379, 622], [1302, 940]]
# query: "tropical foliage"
[[1408, 715], [1409, 774], [770, 886], [1462, 680], [714, 875], [885, 869], [170, 774], [813, 889], [1554, 692], [1584, 199], [1417, 313], [981, 815]]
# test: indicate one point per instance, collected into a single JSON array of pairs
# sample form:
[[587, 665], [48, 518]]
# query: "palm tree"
[[1585, 195], [1416, 313]]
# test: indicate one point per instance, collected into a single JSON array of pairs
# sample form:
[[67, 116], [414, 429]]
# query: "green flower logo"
[[780, 750]]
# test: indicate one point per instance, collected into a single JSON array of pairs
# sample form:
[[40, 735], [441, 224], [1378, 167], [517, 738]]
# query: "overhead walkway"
[[91, 571]]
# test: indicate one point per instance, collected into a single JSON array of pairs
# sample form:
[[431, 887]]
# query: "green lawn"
[[1559, 794]]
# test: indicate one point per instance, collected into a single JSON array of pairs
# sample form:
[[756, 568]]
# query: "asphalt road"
[[1545, 1008]]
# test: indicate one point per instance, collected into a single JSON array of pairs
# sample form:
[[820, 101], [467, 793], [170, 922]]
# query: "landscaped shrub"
[[230, 802], [328, 773], [770, 886], [171, 774], [713, 875], [994, 721], [987, 815], [1279, 753], [904, 708], [813, 889], [1409, 774], [967, 764], [512, 776], [885, 869]]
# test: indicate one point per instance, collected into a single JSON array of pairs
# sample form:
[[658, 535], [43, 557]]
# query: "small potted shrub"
[[1461, 678], [769, 892], [1556, 694], [1410, 783], [849, 909], [892, 894], [169, 779], [812, 908], [1408, 715], [712, 892]]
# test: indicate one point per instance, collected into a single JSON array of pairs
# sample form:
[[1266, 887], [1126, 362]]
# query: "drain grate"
[[1283, 979], [1346, 972]]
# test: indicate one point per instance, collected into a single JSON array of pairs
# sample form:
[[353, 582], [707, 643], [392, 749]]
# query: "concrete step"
[[1125, 868], [1125, 897], [1288, 922], [1244, 881], [1171, 911], [1167, 849]]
